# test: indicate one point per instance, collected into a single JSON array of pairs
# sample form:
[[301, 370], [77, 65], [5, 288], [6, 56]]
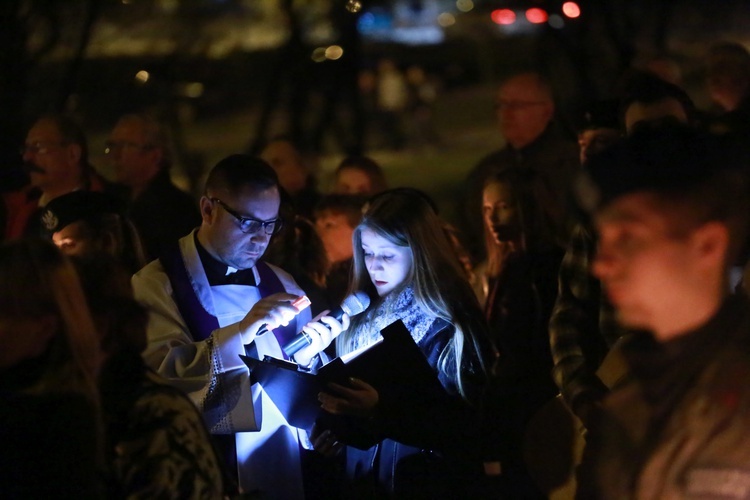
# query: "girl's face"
[[500, 212], [389, 265]]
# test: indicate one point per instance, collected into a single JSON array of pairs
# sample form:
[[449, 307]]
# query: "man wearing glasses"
[[211, 299], [140, 156], [525, 112], [55, 156]]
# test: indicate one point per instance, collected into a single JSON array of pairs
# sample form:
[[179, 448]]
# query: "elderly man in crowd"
[[525, 110], [140, 154], [55, 154]]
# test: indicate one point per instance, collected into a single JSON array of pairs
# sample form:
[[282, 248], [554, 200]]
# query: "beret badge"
[[50, 220]]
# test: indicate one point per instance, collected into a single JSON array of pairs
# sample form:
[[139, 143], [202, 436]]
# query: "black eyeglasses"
[[40, 148], [248, 225]]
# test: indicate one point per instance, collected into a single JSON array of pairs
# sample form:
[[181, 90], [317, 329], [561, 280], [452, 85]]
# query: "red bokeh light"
[[536, 15], [503, 16], [571, 9]]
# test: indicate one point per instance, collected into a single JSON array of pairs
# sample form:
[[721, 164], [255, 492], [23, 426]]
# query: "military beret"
[[662, 158], [602, 114], [79, 205]]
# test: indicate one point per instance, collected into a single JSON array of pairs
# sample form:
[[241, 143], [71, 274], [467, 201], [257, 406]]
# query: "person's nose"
[[374, 264], [496, 217], [604, 263], [260, 237]]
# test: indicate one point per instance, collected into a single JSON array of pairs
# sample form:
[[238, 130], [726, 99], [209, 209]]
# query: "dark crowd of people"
[[586, 334]]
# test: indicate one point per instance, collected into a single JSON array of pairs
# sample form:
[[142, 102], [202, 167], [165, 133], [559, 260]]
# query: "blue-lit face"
[[388, 264], [222, 233]]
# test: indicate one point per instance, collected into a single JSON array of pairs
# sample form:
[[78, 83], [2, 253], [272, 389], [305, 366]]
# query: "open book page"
[[393, 364], [346, 358]]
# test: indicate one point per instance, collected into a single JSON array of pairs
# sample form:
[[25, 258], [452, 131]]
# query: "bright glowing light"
[[556, 21], [446, 19], [142, 76], [503, 16], [536, 15], [334, 52], [353, 6], [571, 9], [319, 54], [464, 5]]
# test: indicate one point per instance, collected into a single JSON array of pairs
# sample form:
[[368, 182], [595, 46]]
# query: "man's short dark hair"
[[705, 177], [646, 88], [237, 172]]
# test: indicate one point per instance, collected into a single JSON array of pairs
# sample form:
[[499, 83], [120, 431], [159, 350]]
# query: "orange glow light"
[[571, 9], [503, 16], [536, 15]]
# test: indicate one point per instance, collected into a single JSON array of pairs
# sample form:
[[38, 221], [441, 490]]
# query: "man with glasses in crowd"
[[55, 156], [525, 112], [211, 299], [140, 155]]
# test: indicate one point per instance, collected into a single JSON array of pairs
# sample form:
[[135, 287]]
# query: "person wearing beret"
[[55, 155], [670, 207], [83, 223]]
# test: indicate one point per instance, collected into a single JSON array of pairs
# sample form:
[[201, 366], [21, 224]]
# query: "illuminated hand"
[[274, 311], [325, 442], [320, 331], [358, 400]]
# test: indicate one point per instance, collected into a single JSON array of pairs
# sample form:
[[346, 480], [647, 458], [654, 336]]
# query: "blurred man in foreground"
[[670, 208]]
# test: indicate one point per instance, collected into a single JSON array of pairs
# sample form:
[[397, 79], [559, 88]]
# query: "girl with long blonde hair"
[[404, 261]]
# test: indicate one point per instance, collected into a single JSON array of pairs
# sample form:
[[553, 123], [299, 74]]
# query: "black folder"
[[394, 365]]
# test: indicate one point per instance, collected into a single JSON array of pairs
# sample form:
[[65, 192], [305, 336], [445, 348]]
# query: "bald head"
[[137, 148], [524, 108]]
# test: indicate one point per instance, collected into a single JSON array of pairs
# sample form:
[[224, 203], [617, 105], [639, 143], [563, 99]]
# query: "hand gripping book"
[[394, 366]]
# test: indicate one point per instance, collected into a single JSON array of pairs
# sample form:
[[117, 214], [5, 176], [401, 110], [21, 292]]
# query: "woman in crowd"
[[359, 175], [518, 284], [428, 446], [49, 407]]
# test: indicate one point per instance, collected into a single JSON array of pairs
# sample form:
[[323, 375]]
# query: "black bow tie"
[[241, 277], [217, 272]]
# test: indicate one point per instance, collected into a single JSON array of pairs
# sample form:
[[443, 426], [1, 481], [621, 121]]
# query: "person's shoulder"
[[438, 335], [555, 144], [151, 270], [164, 192], [151, 276], [494, 160]]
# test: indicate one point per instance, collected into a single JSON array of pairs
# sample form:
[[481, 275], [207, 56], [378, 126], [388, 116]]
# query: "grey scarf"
[[396, 306]]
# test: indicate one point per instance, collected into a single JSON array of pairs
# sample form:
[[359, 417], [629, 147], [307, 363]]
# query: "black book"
[[394, 366]]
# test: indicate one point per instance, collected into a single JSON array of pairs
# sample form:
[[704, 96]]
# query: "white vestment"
[[216, 379]]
